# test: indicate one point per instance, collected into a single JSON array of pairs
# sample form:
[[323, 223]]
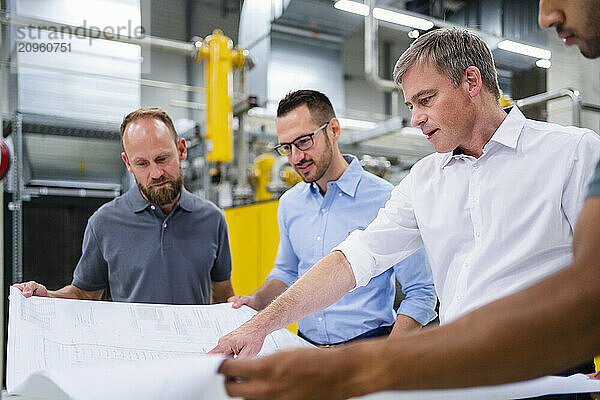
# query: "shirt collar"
[[139, 203], [348, 182], [507, 133]]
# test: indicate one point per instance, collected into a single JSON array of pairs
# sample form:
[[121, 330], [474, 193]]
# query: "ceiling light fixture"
[[525, 49], [356, 123], [543, 63], [402, 19], [352, 6], [414, 34]]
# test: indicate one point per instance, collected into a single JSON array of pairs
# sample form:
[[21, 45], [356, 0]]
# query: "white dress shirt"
[[491, 226]]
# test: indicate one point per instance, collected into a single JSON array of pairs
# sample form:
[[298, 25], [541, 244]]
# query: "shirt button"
[[339, 194], [323, 210], [477, 234], [475, 166], [152, 208], [165, 225], [466, 265], [459, 297], [320, 319], [319, 238]]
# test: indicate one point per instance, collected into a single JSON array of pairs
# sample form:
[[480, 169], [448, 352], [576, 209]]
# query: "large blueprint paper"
[[86, 347], [73, 349]]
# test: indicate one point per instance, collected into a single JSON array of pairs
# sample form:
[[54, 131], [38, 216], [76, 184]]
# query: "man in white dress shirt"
[[494, 207]]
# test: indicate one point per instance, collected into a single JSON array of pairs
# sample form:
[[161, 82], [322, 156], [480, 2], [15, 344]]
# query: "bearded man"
[[157, 243]]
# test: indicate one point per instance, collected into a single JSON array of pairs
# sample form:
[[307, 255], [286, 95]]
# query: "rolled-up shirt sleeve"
[[286, 263], [414, 274], [391, 237]]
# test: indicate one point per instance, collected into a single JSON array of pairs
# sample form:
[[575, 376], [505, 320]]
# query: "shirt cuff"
[[423, 315], [360, 261], [284, 277]]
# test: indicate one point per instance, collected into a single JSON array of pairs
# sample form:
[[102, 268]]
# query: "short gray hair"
[[451, 52]]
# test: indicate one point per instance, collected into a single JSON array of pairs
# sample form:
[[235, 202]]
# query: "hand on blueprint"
[[240, 300], [245, 341], [32, 288], [288, 374]]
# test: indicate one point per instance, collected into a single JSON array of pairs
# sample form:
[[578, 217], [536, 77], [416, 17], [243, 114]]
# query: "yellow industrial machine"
[[505, 101], [290, 176], [254, 238], [253, 232], [220, 56], [263, 165]]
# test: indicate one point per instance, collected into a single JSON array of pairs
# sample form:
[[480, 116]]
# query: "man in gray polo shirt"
[[157, 243]]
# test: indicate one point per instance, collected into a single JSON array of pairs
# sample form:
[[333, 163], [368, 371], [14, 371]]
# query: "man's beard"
[[589, 44], [592, 49], [592, 39], [321, 164], [165, 195]]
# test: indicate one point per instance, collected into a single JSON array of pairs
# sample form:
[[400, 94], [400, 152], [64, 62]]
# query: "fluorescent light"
[[356, 123], [525, 49], [402, 19], [353, 7], [543, 63]]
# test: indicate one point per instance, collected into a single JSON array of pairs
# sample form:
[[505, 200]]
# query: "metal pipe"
[[277, 185], [572, 94], [54, 183], [242, 190], [16, 205], [177, 46], [395, 103], [382, 128], [590, 107], [192, 105], [142, 81], [372, 54], [71, 192]]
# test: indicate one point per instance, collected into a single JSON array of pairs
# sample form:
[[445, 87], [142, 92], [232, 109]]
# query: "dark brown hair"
[[318, 104]]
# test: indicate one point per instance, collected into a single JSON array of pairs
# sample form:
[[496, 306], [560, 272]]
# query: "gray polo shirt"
[[594, 188], [144, 257]]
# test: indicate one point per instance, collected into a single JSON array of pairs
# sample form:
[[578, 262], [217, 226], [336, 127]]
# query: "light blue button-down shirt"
[[311, 225]]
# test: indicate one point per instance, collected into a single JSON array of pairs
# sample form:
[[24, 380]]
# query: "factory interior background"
[[61, 110]]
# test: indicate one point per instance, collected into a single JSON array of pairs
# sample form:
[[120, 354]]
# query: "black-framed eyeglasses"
[[302, 143]]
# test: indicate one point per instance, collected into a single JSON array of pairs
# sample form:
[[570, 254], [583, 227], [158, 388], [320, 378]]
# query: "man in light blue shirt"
[[336, 198]]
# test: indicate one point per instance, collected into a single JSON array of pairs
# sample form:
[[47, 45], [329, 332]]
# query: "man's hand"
[[241, 300], [291, 374], [32, 288], [245, 341]]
